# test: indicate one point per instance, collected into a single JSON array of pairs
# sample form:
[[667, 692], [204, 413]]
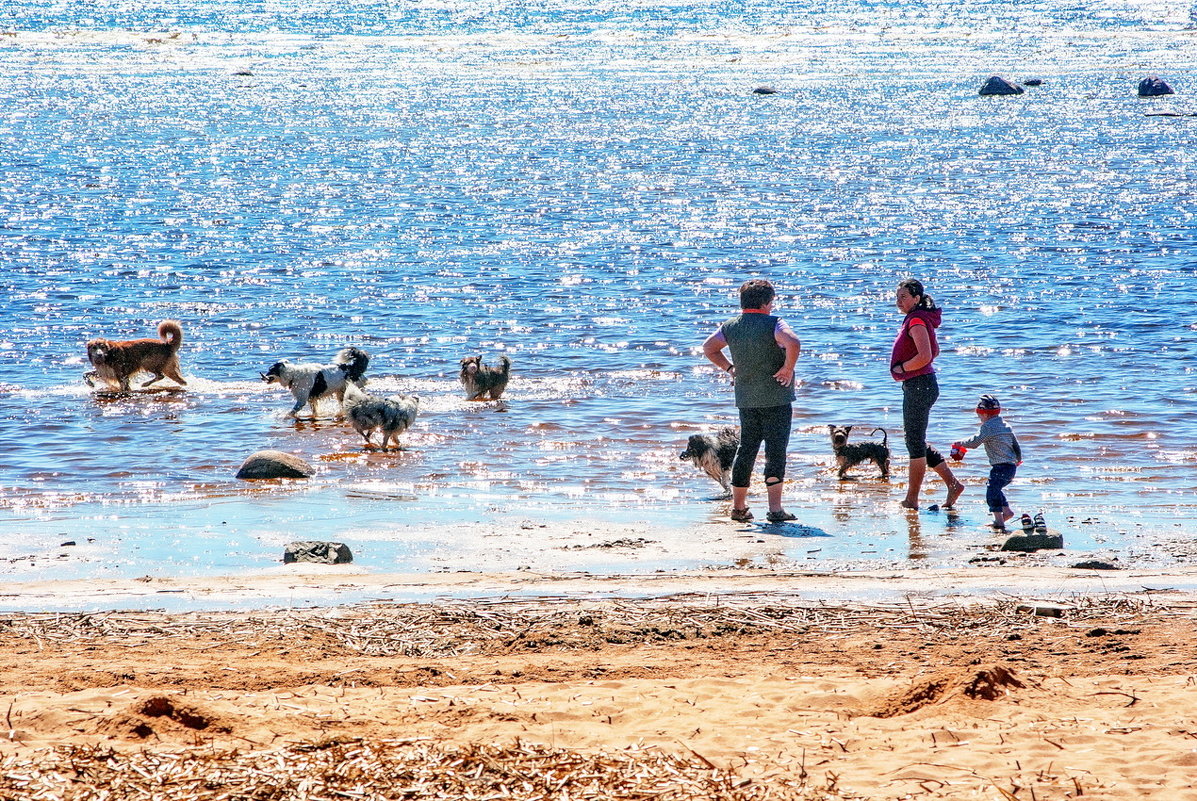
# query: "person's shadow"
[[790, 529]]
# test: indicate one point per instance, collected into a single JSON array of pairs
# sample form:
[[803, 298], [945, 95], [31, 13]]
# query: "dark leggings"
[[771, 426], [918, 396]]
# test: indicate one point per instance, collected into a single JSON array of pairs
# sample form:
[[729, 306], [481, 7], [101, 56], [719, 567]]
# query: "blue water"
[[583, 187]]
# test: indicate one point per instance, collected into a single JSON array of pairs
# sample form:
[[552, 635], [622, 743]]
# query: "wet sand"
[[979, 683]]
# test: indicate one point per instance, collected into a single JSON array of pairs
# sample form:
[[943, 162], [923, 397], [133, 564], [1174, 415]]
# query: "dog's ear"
[[847, 429], [830, 428]]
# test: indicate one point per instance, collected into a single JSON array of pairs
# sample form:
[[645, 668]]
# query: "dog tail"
[[352, 362], [884, 436], [505, 363], [170, 332]]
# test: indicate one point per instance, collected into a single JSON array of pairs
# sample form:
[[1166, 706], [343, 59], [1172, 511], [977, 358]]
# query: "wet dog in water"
[[480, 380], [713, 454], [849, 455], [369, 413], [310, 382], [116, 361]]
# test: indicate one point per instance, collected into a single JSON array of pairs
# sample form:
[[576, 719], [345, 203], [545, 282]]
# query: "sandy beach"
[[1032, 684]]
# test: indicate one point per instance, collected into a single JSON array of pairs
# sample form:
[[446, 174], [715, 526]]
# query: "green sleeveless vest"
[[757, 356]]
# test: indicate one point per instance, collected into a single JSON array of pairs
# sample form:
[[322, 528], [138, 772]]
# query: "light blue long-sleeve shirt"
[[1001, 446]]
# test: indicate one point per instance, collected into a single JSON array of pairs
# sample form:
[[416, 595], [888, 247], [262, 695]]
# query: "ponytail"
[[915, 288]]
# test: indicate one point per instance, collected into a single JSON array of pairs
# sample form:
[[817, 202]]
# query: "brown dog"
[[117, 361], [480, 380]]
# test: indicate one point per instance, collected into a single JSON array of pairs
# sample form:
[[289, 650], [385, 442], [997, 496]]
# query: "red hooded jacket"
[[904, 347]]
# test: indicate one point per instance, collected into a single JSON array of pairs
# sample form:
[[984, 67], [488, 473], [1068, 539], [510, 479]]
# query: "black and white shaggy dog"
[[714, 454], [310, 382], [369, 413], [480, 380]]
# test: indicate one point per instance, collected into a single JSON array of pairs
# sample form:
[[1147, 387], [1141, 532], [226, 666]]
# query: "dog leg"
[[157, 377], [174, 375]]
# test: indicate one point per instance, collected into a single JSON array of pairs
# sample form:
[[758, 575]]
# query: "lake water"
[[583, 187]]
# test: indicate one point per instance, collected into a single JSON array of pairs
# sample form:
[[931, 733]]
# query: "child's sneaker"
[[1040, 523], [1027, 523]]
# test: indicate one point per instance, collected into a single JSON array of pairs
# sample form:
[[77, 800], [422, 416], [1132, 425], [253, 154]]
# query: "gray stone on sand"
[[997, 85], [1154, 86], [1095, 564], [323, 553], [1034, 542], [274, 464]]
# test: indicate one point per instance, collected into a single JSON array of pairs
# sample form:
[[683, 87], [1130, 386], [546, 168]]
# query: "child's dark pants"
[[1000, 476]]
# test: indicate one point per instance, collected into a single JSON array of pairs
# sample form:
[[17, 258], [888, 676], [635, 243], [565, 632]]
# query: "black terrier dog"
[[849, 455], [480, 380], [714, 454]]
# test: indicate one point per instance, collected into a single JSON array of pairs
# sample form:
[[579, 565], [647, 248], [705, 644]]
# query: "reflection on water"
[[583, 189]]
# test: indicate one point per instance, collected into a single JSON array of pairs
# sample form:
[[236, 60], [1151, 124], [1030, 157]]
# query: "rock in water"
[[1034, 542], [997, 85], [274, 464], [323, 553], [1154, 86], [764, 90]]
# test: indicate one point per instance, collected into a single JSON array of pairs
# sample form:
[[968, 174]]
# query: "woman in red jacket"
[[911, 362]]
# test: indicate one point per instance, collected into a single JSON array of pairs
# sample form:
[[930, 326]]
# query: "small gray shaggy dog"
[[851, 454], [309, 382], [369, 413]]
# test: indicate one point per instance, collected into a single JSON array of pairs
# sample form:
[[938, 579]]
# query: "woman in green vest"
[[764, 351]]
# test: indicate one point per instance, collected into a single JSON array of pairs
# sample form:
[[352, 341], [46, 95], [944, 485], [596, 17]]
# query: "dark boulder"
[[274, 464], [764, 90], [1033, 82], [1034, 542], [322, 553], [1153, 86], [997, 85]]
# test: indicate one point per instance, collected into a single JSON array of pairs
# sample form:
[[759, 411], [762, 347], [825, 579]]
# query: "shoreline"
[[315, 586]]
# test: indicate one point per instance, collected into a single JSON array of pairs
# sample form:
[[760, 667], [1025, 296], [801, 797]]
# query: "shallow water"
[[583, 188]]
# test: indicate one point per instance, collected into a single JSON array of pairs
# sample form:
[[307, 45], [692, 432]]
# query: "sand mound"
[[979, 683], [160, 716]]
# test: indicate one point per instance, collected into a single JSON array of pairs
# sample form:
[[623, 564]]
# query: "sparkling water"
[[583, 187]]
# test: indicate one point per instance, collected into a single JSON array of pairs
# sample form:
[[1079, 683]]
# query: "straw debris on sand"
[[748, 697]]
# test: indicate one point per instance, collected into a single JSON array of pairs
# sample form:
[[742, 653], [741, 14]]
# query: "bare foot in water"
[[954, 491], [909, 505]]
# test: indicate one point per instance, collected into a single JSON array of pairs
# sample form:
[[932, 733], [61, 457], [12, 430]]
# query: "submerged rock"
[[1033, 82], [1034, 542], [997, 85], [764, 90], [323, 553], [1154, 86], [274, 464]]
